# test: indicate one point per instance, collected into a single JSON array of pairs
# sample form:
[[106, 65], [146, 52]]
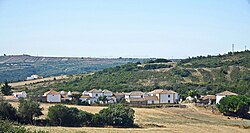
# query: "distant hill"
[[18, 67], [208, 75]]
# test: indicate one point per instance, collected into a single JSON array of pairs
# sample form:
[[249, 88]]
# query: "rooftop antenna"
[[245, 47], [233, 49]]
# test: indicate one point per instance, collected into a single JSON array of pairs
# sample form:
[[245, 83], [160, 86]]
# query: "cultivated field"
[[176, 120]]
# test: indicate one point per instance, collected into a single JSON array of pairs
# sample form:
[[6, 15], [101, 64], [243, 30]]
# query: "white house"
[[219, 96], [134, 94], [165, 96], [141, 98], [22, 94], [151, 99], [52, 96], [95, 93], [107, 93]]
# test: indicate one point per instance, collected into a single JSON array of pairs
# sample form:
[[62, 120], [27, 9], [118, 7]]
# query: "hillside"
[[18, 67], [200, 73], [233, 74]]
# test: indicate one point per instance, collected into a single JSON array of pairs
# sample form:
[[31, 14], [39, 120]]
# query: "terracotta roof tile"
[[227, 93], [52, 92], [162, 91]]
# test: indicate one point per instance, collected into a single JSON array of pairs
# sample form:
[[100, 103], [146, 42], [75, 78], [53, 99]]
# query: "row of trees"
[[29, 111], [116, 115]]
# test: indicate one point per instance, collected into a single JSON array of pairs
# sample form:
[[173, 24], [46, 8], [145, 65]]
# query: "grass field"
[[176, 120]]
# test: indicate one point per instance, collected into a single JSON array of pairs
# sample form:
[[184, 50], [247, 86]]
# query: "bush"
[[7, 111], [117, 115], [60, 115], [11, 127], [234, 105]]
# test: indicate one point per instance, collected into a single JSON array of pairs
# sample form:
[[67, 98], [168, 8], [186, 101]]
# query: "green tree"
[[103, 99], [234, 105], [28, 110], [7, 111], [118, 115], [6, 89], [61, 115], [194, 93]]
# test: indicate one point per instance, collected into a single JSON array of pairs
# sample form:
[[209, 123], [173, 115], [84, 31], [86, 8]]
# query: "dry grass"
[[23, 83], [179, 120]]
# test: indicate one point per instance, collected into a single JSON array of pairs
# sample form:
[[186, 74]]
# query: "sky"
[[123, 28]]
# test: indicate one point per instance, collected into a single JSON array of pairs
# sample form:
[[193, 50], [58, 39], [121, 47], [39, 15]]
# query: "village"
[[134, 98]]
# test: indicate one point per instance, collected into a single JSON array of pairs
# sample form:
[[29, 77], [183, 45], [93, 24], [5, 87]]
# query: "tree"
[[61, 115], [234, 105], [194, 94], [6, 89], [103, 99], [117, 115], [7, 111], [28, 110]]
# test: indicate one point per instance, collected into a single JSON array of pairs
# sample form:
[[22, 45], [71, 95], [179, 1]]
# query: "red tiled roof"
[[52, 92], [151, 98], [162, 91], [212, 97]]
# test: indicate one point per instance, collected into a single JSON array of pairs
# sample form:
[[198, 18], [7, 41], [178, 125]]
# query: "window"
[[96, 95], [153, 102], [168, 101], [168, 96], [141, 96]]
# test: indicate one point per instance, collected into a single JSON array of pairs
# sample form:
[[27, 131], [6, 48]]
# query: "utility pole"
[[233, 49]]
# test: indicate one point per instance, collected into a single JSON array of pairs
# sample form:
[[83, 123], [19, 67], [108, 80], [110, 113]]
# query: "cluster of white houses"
[[158, 96], [135, 97]]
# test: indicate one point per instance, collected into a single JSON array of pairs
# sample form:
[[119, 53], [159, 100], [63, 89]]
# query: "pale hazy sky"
[[126, 28]]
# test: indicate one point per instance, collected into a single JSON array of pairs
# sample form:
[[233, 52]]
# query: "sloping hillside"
[[181, 76], [18, 67]]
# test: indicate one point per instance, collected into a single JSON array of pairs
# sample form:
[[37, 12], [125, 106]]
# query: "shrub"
[[11, 127]]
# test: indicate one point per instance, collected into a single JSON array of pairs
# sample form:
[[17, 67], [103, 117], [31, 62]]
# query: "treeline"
[[29, 111], [160, 60], [156, 66]]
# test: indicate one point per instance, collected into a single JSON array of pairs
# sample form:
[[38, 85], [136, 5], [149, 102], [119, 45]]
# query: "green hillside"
[[208, 75]]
